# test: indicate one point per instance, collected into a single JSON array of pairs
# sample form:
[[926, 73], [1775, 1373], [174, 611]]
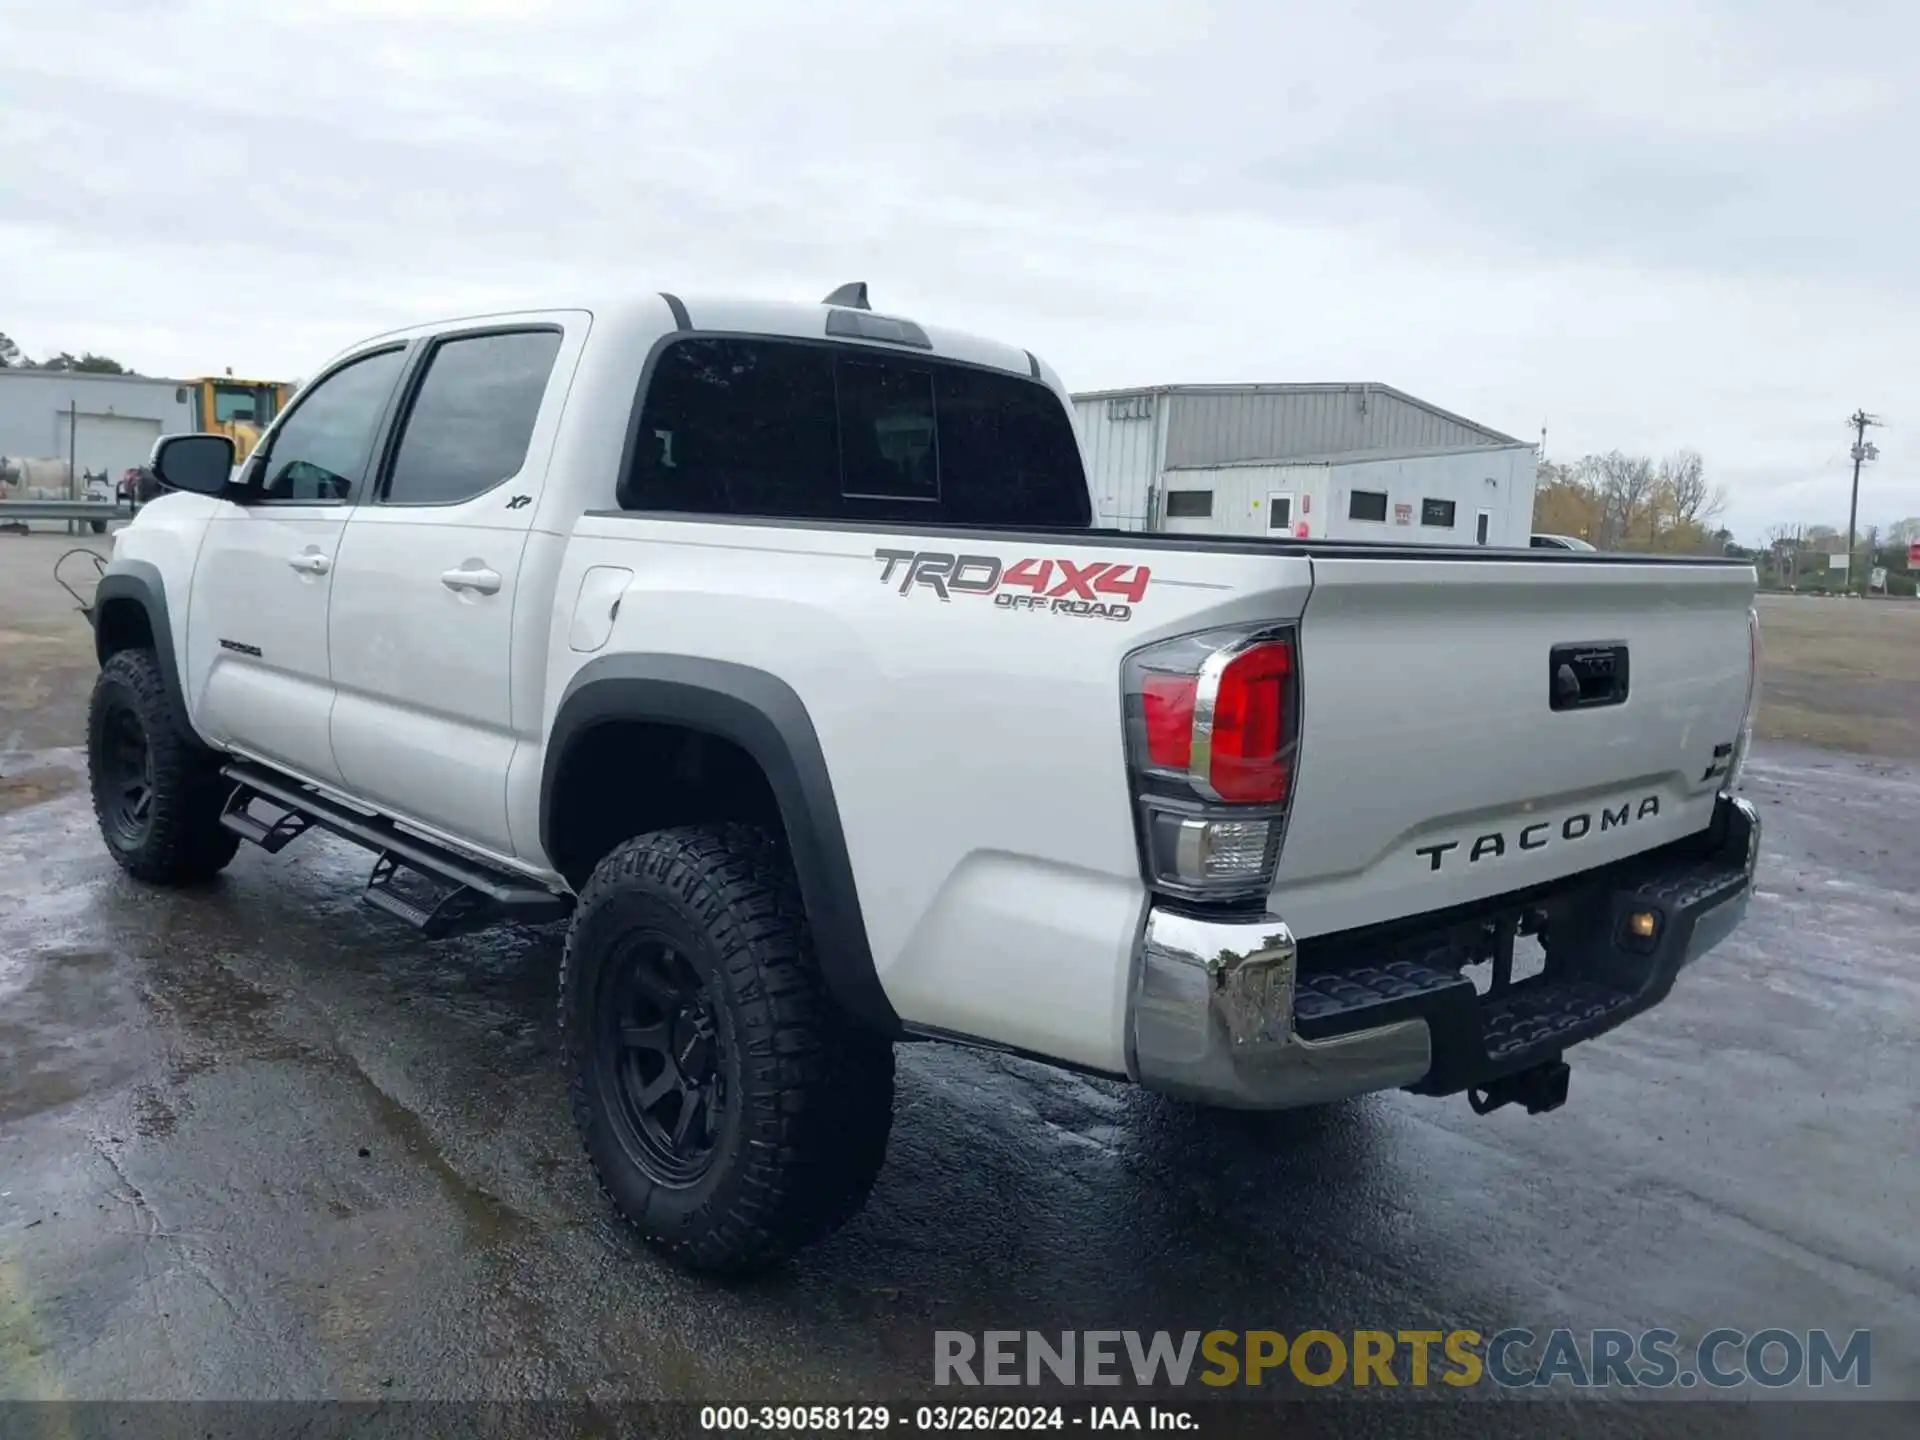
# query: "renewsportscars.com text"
[[1510, 1359]]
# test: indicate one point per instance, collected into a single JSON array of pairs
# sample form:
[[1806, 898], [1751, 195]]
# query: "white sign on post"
[[1838, 562]]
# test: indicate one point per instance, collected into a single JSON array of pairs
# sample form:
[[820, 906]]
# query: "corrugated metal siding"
[[34, 406], [1122, 458], [1221, 429]]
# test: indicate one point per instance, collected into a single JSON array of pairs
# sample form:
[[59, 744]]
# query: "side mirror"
[[201, 464]]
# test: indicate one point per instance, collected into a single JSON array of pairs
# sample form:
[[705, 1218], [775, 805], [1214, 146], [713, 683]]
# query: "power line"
[[1862, 451]]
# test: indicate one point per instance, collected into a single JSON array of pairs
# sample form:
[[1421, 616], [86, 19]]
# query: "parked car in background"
[[1560, 542]]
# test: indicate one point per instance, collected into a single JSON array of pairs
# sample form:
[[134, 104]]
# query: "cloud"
[[1646, 224]]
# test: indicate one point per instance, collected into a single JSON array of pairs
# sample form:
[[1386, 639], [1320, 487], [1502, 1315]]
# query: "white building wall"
[[106, 422], [1245, 499], [1499, 482], [1247, 444], [1319, 495]]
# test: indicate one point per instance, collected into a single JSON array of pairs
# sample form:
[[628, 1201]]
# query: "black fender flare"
[[761, 714], [138, 582]]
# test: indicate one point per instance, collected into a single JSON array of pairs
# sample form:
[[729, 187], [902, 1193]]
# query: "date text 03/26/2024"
[[817, 1419]]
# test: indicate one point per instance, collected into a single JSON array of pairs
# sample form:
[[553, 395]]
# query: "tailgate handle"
[[1584, 677]]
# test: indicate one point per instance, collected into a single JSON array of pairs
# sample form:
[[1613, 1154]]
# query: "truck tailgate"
[[1436, 767]]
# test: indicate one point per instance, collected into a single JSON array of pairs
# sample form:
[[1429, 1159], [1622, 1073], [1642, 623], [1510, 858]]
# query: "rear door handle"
[[479, 578], [310, 562]]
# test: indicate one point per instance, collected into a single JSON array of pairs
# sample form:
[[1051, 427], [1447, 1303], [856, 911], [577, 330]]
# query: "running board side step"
[[476, 893]]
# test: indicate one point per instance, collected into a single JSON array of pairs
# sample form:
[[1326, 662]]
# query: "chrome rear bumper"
[[1212, 1016], [1213, 1022]]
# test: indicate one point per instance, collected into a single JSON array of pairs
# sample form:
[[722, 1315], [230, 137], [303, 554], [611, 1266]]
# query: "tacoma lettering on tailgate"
[[1090, 589], [1497, 844]]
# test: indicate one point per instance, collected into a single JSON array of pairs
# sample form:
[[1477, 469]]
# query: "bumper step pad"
[[1335, 1001], [1538, 1019], [1479, 1039], [1480, 1035]]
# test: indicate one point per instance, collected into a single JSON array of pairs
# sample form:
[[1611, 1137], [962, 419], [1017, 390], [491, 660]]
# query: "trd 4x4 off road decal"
[[1092, 589]]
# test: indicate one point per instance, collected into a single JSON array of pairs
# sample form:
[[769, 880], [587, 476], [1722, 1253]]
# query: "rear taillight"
[[1245, 753], [1745, 741], [1167, 701], [1212, 731]]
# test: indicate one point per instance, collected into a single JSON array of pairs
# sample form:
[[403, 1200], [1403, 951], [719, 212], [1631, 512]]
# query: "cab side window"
[[319, 454]]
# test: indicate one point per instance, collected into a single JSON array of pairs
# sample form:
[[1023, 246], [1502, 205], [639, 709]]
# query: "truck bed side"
[[964, 688], [973, 740]]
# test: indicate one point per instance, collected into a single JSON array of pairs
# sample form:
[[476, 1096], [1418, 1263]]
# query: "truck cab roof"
[[648, 316]]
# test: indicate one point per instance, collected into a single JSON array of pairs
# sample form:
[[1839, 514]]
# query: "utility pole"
[[73, 443], [1862, 451]]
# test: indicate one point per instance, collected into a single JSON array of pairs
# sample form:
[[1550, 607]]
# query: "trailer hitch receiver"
[[1540, 1089]]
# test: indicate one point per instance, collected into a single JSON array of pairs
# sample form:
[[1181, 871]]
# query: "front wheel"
[[157, 791], [729, 1111]]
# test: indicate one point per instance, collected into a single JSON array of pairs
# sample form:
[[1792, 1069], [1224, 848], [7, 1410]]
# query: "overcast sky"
[[1647, 223]]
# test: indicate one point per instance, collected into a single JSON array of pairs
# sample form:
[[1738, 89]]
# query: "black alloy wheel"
[[126, 774], [663, 1061]]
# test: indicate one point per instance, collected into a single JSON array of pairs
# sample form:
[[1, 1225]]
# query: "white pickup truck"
[[772, 645]]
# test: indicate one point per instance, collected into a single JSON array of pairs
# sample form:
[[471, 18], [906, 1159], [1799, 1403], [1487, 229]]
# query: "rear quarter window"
[[472, 417], [795, 430]]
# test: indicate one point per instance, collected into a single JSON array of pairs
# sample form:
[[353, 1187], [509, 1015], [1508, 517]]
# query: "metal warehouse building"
[[101, 423], [1356, 461]]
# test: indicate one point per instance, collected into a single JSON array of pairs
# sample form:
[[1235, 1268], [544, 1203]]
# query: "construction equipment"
[[238, 409]]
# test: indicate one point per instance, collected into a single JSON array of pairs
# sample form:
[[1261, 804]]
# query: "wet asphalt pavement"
[[258, 1141]]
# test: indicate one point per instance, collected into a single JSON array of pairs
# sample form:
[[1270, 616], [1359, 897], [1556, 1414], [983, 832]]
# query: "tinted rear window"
[[792, 430], [473, 416]]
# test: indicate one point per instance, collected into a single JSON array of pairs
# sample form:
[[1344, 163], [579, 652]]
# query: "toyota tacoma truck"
[[772, 647]]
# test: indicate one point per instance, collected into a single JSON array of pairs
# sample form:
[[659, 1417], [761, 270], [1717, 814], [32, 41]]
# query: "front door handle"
[[479, 578], [310, 562]]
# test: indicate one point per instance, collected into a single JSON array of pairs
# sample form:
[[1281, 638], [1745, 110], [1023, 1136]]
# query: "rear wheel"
[[729, 1111], [157, 791]]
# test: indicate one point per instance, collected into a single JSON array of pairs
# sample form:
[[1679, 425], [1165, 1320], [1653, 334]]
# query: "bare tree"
[[1618, 500], [1624, 483], [1784, 543], [1694, 501], [1904, 532]]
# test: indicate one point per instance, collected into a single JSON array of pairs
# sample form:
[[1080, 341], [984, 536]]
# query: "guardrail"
[[95, 512]]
